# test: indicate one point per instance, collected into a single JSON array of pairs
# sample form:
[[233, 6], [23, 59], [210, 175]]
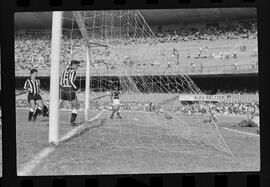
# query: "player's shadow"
[[98, 123]]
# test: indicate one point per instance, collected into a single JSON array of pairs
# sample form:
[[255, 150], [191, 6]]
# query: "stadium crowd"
[[186, 107], [32, 48], [219, 108], [233, 31]]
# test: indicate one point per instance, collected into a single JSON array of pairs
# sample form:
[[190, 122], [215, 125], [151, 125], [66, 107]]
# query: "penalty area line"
[[31, 165], [241, 132]]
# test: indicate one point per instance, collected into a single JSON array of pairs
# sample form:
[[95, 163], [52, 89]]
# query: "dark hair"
[[33, 71], [75, 62]]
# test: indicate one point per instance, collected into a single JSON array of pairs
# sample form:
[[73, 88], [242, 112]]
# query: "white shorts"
[[116, 102]]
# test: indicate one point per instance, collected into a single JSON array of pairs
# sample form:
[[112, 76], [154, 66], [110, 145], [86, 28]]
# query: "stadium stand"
[[32, 49], [204, 50], [237, 104]]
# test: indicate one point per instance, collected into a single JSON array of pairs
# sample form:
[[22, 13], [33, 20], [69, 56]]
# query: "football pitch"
[[131, 145]]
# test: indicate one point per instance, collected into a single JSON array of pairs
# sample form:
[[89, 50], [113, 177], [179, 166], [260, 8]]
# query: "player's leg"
[[39, 110], [32, 106], [61, 104], [74, 107], [63, 97], [43, 108], [113, 111], [117, 112]]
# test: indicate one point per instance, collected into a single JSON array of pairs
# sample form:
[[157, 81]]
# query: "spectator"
[[234, 54], [201, 68], [235, 65], [169, 64], [32, 49], [253, 64], [192, 66]]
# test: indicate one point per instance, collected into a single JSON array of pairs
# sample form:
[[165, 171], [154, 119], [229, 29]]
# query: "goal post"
[[54, 78], [111, 46], [87, 83]]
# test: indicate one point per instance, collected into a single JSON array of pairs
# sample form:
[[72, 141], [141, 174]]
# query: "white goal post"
[[57, 21], [108, 39], [54, 78], [87, 84]]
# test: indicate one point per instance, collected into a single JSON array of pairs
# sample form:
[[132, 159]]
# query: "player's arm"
[[38, 82], [39, 85], [61, 80], [72, 80], [26, 86]]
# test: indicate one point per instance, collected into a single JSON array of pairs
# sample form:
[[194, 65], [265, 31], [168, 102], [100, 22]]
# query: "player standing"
[[212, 116], [69, 89], [115, 98], [32, 86]]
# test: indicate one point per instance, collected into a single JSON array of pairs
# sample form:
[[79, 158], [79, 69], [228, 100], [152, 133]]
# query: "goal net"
[[118, 48]]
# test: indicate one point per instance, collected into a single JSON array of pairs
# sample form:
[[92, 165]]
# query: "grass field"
[[132, 145]]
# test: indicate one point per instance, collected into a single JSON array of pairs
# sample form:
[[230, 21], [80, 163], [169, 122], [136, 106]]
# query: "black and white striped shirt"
[[115, 94], [68, 79], [33, 85]]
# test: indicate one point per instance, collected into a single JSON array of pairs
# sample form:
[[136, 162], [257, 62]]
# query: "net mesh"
[[124, 53]]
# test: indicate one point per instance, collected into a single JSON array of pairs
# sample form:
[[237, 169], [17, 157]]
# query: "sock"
[[73, 116], [38, 110], [45, 111], [30, 114], [112, 114]]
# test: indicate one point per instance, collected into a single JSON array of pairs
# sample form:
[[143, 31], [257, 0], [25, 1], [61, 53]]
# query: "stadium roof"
[[42, 20]]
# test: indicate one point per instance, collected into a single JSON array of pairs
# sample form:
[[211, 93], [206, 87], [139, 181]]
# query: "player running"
[[116, 102], [69, 89], [32, 86]]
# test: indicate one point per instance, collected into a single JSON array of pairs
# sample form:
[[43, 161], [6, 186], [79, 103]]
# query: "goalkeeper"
[[116, 102]]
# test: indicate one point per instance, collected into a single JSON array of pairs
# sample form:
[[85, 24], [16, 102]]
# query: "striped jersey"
[[33, 85], [115, 94], [68, 79]]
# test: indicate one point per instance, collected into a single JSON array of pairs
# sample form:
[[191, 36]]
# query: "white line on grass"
[[30, 166], [136, 119], [242, 132], [73, 131]]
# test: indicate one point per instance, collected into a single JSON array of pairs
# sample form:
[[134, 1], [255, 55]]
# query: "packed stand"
[[218, 108], [233, 31], [32, 48], [235, 107]]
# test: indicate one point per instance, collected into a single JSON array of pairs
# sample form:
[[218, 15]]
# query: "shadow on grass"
[[99, 123], [44, 120]]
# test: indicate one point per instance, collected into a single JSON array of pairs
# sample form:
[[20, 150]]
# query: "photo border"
[[9, 175]]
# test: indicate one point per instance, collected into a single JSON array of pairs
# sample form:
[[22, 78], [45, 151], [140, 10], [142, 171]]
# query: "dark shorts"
[[34, 97], [67, 94]]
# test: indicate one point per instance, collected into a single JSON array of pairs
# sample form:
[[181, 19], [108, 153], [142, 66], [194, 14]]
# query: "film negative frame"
[[9, 174]]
